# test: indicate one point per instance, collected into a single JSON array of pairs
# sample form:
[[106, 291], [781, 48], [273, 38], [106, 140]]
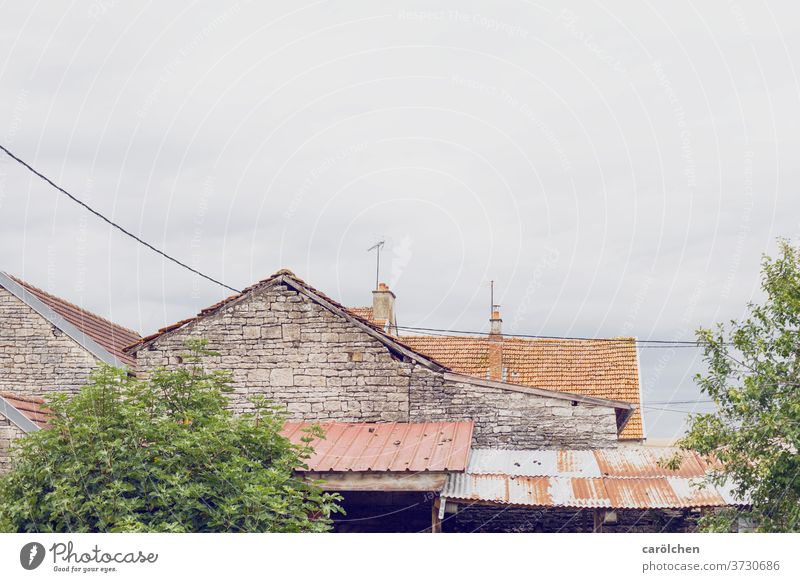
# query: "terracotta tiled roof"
[[362, 312], [31, 407], [600, 368], [367, 314], [107, 334]]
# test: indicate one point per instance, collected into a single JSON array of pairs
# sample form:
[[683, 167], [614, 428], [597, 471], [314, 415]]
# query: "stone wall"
[[280, 344], [514, 419], [8, 433], [36, 357]]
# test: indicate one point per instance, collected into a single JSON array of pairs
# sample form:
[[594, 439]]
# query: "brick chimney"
[[495, 323], [383, 308], [496, 346]]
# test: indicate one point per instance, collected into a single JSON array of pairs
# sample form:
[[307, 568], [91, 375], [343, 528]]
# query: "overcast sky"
[[618, 168]]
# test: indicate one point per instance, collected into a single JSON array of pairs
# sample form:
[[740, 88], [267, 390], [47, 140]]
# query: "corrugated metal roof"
[[624, 478], [579, 492], [623, 462], [428, 446]]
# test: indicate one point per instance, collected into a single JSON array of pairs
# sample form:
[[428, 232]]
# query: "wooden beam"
[[436, 523], [379, 481], [599, 516]]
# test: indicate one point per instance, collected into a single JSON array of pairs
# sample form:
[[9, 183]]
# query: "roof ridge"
[[32, 288], [506, 337], [314, 294]]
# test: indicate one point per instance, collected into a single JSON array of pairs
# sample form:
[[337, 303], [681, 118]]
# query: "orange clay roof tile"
[[601, 368], [107, 334], [32, 407]]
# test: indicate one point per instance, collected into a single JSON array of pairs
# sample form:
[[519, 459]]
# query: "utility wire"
[[641, 342], [114, 224], [658, 343]]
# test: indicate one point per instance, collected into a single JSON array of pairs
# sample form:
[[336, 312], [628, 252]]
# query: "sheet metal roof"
[[624, 478], [428, 446], [622, 462]]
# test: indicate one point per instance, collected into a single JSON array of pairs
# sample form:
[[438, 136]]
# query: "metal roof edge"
[[13, 414], [571, 396], [55, 319]]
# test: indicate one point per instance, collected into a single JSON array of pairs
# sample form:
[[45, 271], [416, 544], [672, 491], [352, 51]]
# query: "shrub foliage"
[[161, 455]]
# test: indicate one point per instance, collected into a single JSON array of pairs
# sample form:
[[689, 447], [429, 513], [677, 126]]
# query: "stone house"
[[285, 340], [49, 344], [349, 369], [19, 415]]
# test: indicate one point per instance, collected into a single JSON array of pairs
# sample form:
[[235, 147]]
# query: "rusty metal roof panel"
[[577, 464], [646, 462], [469, 487], [584, 493], [696, 492], [560, 463], [429, 446], [578, 492], [645, 493]]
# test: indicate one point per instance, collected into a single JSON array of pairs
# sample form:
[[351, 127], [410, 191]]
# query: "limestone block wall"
[[514, 419], [9, 432], [280, 344], [36, 357]]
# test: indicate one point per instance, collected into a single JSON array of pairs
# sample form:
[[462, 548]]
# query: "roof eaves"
[[98, 351], [594, 400], [13, 414]]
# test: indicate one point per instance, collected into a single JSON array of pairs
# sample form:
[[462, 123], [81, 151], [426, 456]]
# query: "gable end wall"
[[35, 356], [280, 344]]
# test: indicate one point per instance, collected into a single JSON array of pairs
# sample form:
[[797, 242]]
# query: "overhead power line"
[[649, 343], [656, 343], [114, 224]]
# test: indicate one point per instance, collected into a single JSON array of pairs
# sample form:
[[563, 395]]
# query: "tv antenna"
[[493, 306], [377, 247]]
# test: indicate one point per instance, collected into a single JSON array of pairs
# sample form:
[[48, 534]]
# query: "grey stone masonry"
[[514, 419], [281, 344], [35, 356], [9, 432]]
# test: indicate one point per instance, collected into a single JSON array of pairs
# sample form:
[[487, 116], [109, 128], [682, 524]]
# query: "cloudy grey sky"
[[618, 167]]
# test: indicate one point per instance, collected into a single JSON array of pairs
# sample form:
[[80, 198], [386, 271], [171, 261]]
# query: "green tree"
[[754, 378], [161, 455]]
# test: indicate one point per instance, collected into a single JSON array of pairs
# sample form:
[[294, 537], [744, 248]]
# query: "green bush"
[[754, 378], [161, 455]]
